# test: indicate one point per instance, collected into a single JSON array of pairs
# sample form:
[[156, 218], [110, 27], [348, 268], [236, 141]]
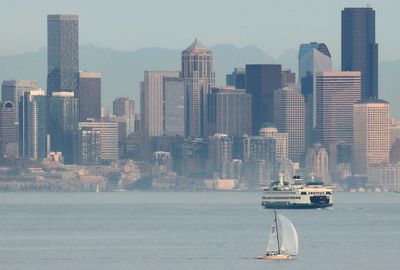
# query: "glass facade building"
[[174, 107], [62, 53], [89, 94]]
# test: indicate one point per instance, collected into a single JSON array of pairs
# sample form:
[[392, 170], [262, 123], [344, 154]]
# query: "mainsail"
[[273, 240]]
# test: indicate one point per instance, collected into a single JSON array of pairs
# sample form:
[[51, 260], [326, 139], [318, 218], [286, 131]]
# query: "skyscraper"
[[288, 77], [359, 49], [89, 94], [336, 92], [371, 134], [151, 102], [269, 130], [289, 117], [62, 53], [261, 82], [62, 123], [199, 77], [125, 107], [32, 125], [229, 111], [174, 107], [8, 130], [14, 89], [237, 78]]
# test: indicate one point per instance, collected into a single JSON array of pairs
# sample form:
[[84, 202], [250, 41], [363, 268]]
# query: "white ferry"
[[281, 195]]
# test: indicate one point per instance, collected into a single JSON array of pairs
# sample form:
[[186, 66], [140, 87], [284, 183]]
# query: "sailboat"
[[283, 242]]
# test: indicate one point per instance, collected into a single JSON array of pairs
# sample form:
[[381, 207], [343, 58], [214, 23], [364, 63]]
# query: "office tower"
[[199, 77], [261, 82], [62, 123], [269, 130], [395, 152], [219, 155], [8, 130], [371, 134], [174, 107], [336, 92], [62, 53], [340, 160], [88, 150], [313, 58], [237, 78], [259, 156], [359, 50], [394, 131], [229, 111], [289, 114], [32, 125], [151, 102], [89, 94], [288, 77], [108, 139], [317, 163], [14, 89], [125, 108]]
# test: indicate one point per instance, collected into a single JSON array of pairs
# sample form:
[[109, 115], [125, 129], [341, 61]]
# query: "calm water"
[[132, 230]]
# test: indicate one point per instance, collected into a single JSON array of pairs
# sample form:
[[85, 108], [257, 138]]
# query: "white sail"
[[290, 241], [273, 239]]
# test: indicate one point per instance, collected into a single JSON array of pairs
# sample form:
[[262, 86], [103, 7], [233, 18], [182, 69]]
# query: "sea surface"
[[184, 230]]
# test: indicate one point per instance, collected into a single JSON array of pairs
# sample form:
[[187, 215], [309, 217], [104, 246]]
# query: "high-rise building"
[[125, 107], [229, 111], [289, 114], [199, 77], [151, 102], [8, 130], [62, 123], [32, 125], [219, 154], [62, 53], [359, 49], [288, 77], [108, 140], [237, 78], [261, 82], [269, 130], [14, 89], [371, 134], [89, 94], [313, 58], [336, 92], [88, 146], [174, 107], [317, 163]]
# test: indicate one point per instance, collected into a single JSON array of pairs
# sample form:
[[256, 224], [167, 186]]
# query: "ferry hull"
[[295, 205]]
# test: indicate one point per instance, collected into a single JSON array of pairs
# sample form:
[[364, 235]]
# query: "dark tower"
[[359, 50], [261, 82]]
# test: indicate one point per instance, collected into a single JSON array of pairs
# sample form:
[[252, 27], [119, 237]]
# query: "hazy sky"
[[272, 25]]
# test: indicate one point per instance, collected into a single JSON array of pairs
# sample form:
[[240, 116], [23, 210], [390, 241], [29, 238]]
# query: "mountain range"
[[122, 71]]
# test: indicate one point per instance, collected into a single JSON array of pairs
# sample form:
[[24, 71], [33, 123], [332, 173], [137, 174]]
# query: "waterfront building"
[[229, 111], [261, 82], [89, 94], [199, 77], [219, 155], [359, 49], [62, 53], [289, 117], [336, 92], [317, 163], [371, 134]]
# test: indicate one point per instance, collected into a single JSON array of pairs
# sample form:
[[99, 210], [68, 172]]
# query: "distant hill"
[[122, 71]]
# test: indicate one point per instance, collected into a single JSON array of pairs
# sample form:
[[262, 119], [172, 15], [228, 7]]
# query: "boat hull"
[[295, 205], [275, 257]]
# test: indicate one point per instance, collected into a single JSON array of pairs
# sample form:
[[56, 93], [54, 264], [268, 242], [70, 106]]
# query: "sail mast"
[[277, 232]]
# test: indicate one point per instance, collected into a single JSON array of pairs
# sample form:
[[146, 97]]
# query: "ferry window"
[[303, 193]]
